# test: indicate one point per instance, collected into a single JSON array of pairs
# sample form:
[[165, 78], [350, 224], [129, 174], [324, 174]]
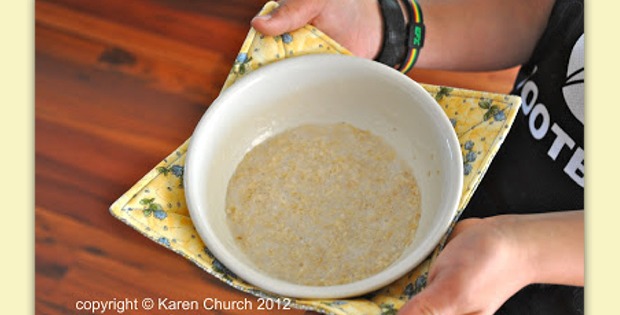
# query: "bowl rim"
[[274, 285]]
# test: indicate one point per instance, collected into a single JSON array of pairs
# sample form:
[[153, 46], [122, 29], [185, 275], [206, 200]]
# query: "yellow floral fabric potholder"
[[155, 206]]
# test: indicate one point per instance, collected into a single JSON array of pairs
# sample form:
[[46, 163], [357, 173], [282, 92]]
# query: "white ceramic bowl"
[[323, 89]]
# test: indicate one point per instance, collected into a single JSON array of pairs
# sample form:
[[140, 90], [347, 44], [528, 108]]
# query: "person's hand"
[[488, 260], [356, 24], [460, 35], [479, 269]]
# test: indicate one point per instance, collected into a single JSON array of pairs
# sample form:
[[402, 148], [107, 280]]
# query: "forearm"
[[551, 245], [481, 34], [460, 34]]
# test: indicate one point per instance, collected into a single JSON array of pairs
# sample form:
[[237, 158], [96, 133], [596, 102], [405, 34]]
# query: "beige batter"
[[323, 205]]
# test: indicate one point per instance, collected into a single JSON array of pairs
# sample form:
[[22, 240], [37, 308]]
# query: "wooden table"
[[119, 85]]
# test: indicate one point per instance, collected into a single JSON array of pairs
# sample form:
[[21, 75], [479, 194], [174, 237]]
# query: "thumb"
[[289, 16], [433, 300]]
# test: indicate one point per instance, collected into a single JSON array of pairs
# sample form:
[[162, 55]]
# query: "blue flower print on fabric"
[[241, 58], [164, 241], [287, 38]]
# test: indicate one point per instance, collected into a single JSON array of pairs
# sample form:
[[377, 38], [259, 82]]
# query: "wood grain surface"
[[118, 86]]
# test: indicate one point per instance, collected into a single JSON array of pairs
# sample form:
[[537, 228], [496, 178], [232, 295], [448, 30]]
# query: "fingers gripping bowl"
[[323, 89]]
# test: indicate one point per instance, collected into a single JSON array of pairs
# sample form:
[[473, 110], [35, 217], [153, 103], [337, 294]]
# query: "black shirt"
[[540, 166]]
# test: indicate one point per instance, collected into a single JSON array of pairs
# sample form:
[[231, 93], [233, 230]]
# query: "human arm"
[[488, 260], [460, 34], [356, 24]]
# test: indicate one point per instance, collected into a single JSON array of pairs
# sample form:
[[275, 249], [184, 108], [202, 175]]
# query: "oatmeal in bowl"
[[323, 176]]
